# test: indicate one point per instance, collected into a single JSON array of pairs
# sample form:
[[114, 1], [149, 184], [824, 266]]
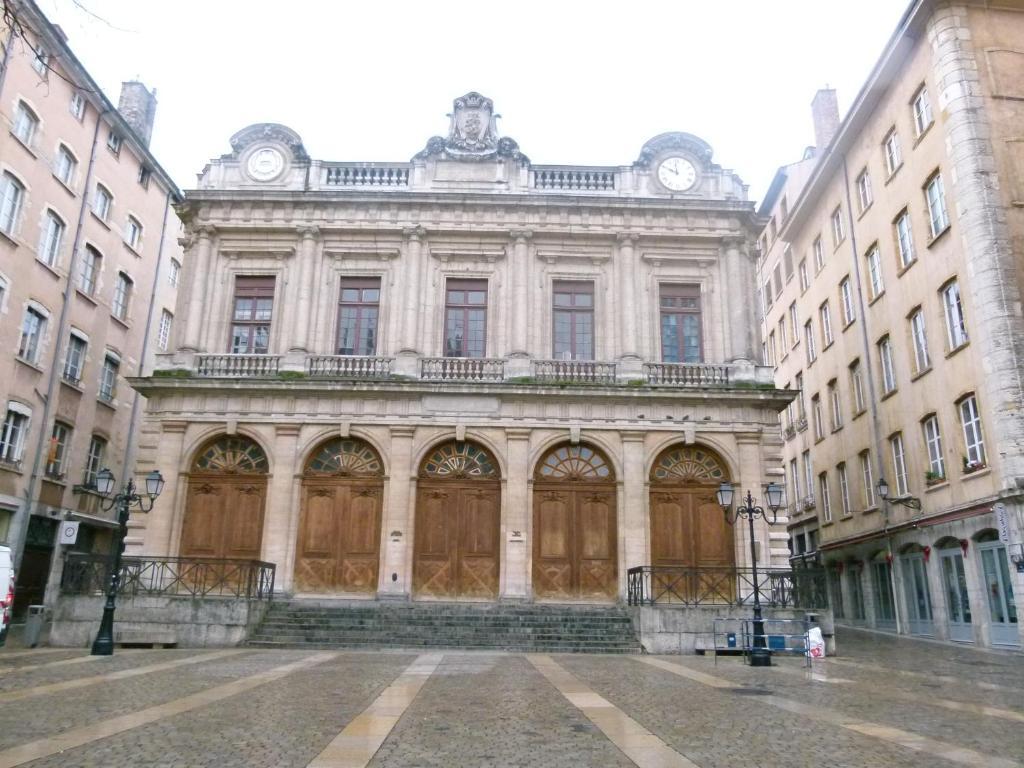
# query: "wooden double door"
[[457, 540], [338, 546], [224, 517], [575, 554]]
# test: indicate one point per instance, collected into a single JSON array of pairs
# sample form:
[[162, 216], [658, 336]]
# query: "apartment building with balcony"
[[891, 293], [89, 266], [465, 376]]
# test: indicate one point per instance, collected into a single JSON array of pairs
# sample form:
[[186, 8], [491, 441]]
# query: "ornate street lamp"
[[760, 655], [103, 645], [907, 501]]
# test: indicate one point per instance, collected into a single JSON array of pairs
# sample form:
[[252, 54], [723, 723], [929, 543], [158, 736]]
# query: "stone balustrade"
[[185, 364], [462, 369], [358, 175], [348, 366], [686, 374], [574, 178], [575, 371]]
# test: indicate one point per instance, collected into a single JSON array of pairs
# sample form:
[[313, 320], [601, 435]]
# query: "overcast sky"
[[576, 82]]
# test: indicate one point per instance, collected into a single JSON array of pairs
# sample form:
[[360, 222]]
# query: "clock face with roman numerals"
[[677, 173]]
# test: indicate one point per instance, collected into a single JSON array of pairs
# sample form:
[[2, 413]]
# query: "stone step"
[[399, 647]]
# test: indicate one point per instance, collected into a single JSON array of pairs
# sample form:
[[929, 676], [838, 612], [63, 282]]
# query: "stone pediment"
[[674, 141], [472, 134], [268, 132]]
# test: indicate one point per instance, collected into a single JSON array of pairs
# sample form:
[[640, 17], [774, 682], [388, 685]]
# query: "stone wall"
[[180, 621]]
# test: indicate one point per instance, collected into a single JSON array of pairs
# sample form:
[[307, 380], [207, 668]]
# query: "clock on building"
[[677, 173], [265, 164]]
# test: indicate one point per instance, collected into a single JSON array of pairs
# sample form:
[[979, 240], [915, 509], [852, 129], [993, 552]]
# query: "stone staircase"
[[456, 626]]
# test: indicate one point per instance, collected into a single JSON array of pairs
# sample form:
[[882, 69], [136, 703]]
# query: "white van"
[[6, 591]]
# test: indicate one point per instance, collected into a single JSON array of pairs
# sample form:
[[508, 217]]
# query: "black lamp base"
[[760, 657]]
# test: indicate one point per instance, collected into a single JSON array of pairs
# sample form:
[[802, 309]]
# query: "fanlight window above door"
[[232, 456], [686, 464], [575, 462], [460, 460], [342, 456]]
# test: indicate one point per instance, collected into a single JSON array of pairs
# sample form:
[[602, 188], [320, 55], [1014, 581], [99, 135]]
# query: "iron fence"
[[89, 574], [691, 586]]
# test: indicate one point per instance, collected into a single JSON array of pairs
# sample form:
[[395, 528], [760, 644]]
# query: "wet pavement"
[[884, 702]]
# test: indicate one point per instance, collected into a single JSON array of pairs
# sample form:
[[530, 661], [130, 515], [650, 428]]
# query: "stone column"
[[516, 544], [398, 518], [302, 310], [736, 296], [625, 293], [750, 478], [412, 300], [634, 515], [283, 506], [518, 267], [163, 520], [199, 282]]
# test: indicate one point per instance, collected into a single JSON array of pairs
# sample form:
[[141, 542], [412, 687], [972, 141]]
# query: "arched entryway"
[[687, 525], [458, 518], [575, 552], [338, 546], [227, 490]]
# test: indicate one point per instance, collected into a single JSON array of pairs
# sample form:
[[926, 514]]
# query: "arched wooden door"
[[338, 546], [575, 552], [688, 529], [458, 518], [227, 490]]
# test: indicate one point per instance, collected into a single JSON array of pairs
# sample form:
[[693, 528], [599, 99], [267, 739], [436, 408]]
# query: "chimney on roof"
[[825, 110], [138, 107]]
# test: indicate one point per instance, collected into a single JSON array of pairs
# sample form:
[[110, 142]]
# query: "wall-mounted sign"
[[69, 531]]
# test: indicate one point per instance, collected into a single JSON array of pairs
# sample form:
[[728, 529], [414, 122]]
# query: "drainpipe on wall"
[[876, 423], [131, 442], [24, 513]]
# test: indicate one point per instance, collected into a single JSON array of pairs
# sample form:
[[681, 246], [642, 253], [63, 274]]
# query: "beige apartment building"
[[891, 278], [465, 376], [89, 266]]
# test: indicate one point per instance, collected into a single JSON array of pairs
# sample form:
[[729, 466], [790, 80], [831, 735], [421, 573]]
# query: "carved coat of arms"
[[472, 133]]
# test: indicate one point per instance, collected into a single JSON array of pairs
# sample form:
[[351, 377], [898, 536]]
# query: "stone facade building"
[[891, 278], [464, 376], [89, 266]]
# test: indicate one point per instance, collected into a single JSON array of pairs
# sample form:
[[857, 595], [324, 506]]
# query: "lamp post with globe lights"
[[760, 655], [103, 645]]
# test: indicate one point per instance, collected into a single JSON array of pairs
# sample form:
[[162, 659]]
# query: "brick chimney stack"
[[825, 109], [138, 107]]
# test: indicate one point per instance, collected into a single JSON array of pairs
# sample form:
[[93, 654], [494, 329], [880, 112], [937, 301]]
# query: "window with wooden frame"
[[358, 315], [465, 318], [573, 320], [681, 336], [252, 313]]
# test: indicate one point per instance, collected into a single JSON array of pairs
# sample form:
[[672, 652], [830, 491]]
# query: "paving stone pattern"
[[492, 710], [274, 726], [496, 710]]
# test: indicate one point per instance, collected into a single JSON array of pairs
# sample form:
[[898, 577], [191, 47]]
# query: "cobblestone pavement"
[[884, 702]]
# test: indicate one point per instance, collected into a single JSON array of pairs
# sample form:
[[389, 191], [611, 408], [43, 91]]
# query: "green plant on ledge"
[[934, 478], [291, 375], [173, 373]]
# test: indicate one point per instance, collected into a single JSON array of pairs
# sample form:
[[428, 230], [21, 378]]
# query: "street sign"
[[1002, 522], [69, 532]]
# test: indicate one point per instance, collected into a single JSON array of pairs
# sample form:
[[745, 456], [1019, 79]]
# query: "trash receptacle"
[[34, 625]]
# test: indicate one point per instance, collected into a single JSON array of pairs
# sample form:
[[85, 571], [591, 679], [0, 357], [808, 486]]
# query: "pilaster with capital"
[[751, 477], [625, 287], [283, 505], [636, 547], [739, 299], [519, 267], [516, 523], [397, 522], [165, 518], [199, 284], [411, 299], [301, 306]]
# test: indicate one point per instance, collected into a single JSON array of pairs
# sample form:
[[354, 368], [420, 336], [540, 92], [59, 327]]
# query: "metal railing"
[[692, 586], [349, 366], [462, 369], [237, 365], [686, 374], [89, 574], [574, 371]]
